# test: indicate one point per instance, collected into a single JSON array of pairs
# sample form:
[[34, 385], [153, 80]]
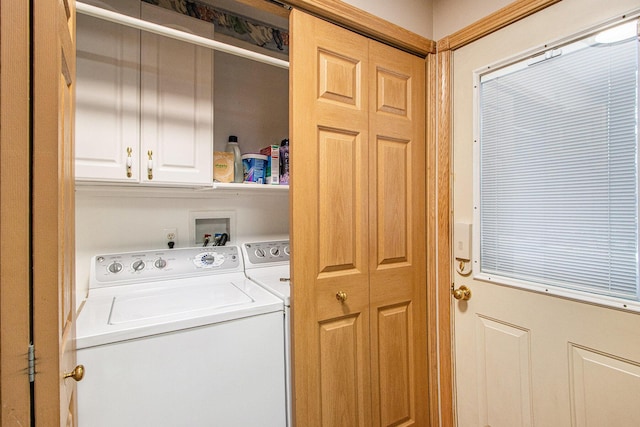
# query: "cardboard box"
[[272, 171], [223, 166]]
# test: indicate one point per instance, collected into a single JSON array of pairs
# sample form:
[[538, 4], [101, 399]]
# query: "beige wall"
[[433, 19], [450, 16], [414, 15]]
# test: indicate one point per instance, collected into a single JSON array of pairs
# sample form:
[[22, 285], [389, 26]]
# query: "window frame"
[[505, 64]]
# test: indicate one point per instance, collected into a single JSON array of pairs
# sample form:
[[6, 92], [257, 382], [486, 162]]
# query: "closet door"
[[397, 237], [177, 102], [358, 236], [329, 226]]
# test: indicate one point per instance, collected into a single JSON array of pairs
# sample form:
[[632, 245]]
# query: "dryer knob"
[[275, 251], [160, 263], [260, 253]]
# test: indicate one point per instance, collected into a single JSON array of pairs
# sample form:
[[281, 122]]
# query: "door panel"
[[53, 209], [526, 358], [329, 133], [358, 263], [397, 254]]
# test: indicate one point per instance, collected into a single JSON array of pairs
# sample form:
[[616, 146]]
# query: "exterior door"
[[358, 279], [524, 358], [52, 212]]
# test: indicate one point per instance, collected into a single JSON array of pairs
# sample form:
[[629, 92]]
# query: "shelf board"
[[246, 187]]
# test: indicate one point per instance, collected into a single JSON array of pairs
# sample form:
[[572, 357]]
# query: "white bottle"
[[233, 147]]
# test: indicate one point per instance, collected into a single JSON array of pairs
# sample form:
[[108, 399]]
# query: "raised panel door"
[[177, 102], [397, 253], [53, 213], [330, 290]]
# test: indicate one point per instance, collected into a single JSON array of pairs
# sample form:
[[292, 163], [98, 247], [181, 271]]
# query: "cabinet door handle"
[[150, 165], [129, 161]]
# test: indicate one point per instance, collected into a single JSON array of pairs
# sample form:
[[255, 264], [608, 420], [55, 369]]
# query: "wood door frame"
[[15, 269], [441, 162]]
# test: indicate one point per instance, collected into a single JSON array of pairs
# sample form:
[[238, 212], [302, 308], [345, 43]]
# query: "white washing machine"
[[267, 263], [180, 338]]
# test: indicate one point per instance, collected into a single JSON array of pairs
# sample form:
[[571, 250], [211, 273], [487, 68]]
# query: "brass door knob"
[[341, 296], [77, 373], [462, 293]]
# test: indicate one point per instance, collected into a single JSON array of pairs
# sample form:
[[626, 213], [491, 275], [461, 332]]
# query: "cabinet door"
[[107, 96], [329, 228], [397, 236], [177, 102]]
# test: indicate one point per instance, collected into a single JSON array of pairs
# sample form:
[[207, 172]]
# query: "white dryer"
[[267, 263], [179, 338]]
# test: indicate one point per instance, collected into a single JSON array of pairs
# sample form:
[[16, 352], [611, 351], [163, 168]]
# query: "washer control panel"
[[267, 252], [134, 267]]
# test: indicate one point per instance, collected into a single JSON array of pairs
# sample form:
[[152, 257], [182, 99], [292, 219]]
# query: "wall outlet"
[[169, 235]]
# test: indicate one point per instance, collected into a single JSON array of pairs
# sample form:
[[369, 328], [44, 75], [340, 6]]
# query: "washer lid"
[[149, 304], [114, 314], [275, 279]]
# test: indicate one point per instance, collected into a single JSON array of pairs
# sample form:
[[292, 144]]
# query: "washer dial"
[[208, 259]]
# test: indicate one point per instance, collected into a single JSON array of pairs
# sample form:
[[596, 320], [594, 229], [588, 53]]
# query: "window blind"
[[558, 157]]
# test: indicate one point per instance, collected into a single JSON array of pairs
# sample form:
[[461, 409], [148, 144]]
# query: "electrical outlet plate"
[[169, 235]]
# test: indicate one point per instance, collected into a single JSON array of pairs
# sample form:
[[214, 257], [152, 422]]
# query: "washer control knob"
[[115, 267], [287, 250], [138, 265], [275, 251], [160, 263], [209, 259], [260, 253]]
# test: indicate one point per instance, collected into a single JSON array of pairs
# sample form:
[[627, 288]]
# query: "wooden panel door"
[[358, 239], [177, 102], [329, 161], [108, 96], [397, 253], [53, 226]]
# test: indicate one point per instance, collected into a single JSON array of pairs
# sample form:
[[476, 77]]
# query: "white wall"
[[112, 220]]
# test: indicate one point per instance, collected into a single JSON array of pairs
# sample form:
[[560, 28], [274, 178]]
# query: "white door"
[[525, 358]]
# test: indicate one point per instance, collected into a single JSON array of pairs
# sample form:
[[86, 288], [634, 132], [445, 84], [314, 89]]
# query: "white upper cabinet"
[[144, 101], [177, 102], [107, 97]]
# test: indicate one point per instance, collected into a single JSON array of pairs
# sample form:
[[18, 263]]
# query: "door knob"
[[462, 293], [77, 373], [341, 296]]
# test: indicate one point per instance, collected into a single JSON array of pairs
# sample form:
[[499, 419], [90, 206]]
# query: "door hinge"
[[32, 363]]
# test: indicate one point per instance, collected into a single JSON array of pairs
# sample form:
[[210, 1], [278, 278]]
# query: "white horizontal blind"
[[559, 170]]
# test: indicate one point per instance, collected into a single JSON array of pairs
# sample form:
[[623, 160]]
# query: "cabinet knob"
[[341, 296]]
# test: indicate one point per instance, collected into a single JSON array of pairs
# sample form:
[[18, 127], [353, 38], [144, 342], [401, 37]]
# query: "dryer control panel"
[[145, 266], [263, 253]]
